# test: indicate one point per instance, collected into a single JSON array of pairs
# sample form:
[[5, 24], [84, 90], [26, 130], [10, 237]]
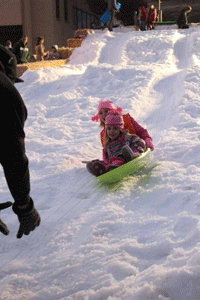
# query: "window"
[[83, 19], [58, 9], [79, 17], [10, 32], [66, 10], [88, 21]]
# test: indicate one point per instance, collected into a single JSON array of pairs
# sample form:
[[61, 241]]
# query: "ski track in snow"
[[140, 241]]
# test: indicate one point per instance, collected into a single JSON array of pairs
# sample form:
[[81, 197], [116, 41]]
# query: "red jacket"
[[152, 15], [143, 15]]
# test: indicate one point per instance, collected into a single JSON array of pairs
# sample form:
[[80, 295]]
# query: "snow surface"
[[142, 240]]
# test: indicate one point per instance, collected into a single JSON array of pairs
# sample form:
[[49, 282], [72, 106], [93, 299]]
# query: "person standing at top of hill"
[[112, 5], [151, 17], [22, 51], [112, 8], [182, 21], [143, 18]]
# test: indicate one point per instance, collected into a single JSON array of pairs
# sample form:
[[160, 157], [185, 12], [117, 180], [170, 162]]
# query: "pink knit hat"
[[114, 119], [105, 104]]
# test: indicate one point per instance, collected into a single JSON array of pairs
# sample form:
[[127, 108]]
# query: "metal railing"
[[83, 19]]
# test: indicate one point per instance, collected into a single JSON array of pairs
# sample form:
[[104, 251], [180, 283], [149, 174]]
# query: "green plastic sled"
[[125, 170]]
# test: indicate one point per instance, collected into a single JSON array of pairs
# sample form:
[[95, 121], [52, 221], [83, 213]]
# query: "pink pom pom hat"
[[114, 119], [105, 104]]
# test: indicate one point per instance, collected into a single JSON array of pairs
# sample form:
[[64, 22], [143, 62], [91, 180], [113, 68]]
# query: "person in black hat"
[[13, 159], [182, 21]]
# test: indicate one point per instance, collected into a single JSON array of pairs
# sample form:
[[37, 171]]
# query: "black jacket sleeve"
[[13, 114]]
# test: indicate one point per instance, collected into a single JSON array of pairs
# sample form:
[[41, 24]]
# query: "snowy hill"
[[139, 242]]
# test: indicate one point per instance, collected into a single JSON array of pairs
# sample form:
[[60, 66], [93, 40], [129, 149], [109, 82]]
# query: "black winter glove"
[[28, 218], [3, 227]]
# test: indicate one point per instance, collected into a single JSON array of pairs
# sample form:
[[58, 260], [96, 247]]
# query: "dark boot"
[[96, 168], [89, 167], [128, 154]]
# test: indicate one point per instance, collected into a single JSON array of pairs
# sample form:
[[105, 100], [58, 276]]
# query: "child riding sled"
[[130, 124], [119, 146]]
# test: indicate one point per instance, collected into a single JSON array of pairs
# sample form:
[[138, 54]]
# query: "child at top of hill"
[[130, 124], [151, 17], [119, 146]]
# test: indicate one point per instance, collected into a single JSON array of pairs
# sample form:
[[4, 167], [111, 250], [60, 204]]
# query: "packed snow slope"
[[142, 240]]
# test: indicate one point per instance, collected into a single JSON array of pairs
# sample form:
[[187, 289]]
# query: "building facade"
[[55, 20]]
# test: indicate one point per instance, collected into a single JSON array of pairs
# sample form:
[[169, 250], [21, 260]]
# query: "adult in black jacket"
[[22, 50], [182, 21], [13, 159]]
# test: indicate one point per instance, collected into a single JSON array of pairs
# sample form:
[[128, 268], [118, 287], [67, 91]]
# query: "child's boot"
[[89, 167], [96, 168], [128, 153]]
